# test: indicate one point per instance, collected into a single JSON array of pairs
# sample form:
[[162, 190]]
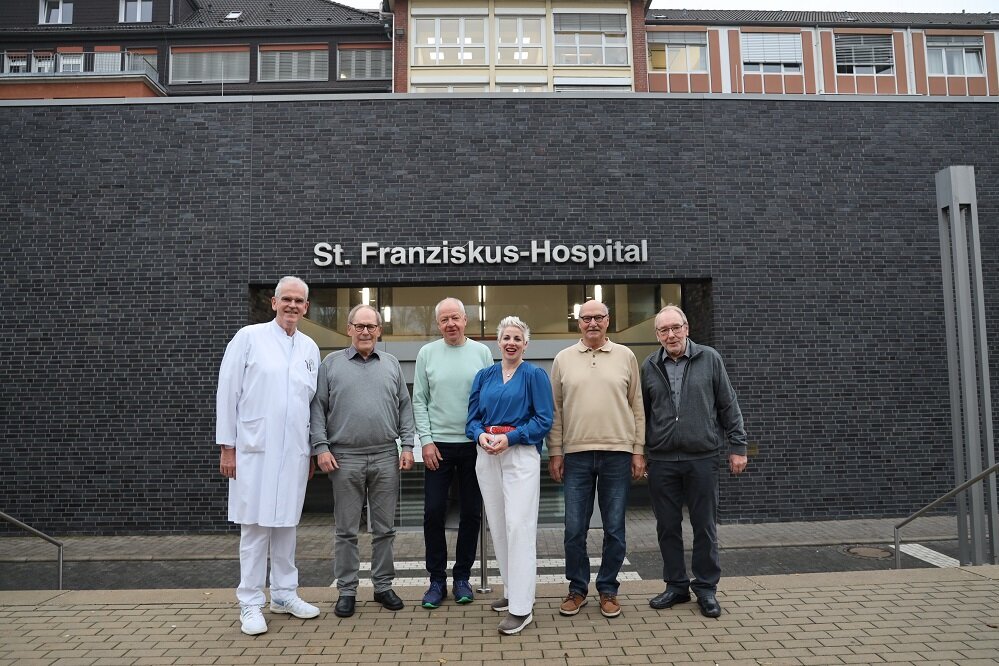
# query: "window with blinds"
[[210, 66], [771, 52], [954, 55], [304, 65], [864, 54], [591, 39], [678, 52], [365, 64]]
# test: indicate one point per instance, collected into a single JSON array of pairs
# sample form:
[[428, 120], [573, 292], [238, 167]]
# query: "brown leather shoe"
[[573, 602], [609, 607]]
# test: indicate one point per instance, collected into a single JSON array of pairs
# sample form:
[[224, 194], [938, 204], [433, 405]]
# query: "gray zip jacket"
[[709, 413]]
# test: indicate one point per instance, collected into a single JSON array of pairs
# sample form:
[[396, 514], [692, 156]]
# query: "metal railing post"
[[37, 533], [483, 559]]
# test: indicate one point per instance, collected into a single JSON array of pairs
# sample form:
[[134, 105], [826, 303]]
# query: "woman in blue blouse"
[[509, 413]]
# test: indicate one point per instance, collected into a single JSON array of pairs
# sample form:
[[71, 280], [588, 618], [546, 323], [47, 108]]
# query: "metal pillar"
[[967, 360]]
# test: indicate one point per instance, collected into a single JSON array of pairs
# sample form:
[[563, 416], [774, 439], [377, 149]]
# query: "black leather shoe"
[[668, 599], [389, 599], [344, 607], [709, 605]]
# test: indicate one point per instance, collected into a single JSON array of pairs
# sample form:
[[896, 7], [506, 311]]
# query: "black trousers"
[[458, 461], [694, 483]]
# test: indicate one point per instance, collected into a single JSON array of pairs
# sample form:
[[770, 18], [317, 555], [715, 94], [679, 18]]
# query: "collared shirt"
[[355, 355], [674, 371]]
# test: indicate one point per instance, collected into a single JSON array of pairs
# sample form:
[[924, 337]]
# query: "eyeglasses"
[[370, 328], [586, 319], [674, 329]]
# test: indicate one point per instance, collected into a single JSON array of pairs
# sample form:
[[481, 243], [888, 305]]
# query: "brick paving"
[[914, 616]]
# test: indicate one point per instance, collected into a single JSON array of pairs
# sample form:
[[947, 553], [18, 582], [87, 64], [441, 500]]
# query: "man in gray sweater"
[[360, 410]]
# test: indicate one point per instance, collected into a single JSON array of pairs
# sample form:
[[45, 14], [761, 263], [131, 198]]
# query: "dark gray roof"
[[254, 14], [769, 17], [271, 13]]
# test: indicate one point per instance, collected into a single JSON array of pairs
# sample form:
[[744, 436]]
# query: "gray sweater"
[[361, 406]]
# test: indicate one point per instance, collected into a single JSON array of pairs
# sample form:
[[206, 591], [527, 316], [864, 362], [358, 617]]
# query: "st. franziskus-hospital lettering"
[[538, 252]]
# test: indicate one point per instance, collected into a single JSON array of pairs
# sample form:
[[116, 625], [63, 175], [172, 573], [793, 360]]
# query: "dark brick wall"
[[131, 232]]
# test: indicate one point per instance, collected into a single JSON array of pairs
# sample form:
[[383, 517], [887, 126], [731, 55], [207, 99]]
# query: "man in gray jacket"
[[691, 413], [360, 409]]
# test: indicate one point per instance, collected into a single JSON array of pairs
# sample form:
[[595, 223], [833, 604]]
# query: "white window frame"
[[318, 65], [19, 61], [771, 53], [423, 88], [122, 11], [604, 33], [522, 87], [386, 65], [43, 6], [436, 48], [520, 46], [968, 47], [675, 42], [243, 78], [868, 54], [71, 62]]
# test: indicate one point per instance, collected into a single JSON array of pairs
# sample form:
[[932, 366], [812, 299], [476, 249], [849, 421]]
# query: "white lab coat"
[[266, 382]]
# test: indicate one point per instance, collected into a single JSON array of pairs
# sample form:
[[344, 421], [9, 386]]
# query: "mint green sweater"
[[443, 381]]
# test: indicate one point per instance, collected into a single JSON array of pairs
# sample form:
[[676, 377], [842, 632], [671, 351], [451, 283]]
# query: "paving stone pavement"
[[913, 616]]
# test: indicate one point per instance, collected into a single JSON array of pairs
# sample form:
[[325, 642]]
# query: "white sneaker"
[[295, 606], [252, 619]]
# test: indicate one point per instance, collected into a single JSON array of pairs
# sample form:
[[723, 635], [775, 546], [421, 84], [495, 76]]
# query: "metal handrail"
[[943, 498], [29, 528]]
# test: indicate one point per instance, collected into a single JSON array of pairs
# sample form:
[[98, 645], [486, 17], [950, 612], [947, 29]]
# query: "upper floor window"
[[451, 88], [276, 64], [591, 39], [365, 64], [864, 54], [55, 11], [954, 55], [771, 53], [207, 65], [449, 41], [678, 52], [520, 40], [135, 11]]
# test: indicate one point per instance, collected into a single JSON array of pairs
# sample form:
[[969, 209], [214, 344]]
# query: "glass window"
[[591, 39], [450, 88], [365, 64], [771, 53], [294, 65], [55, 11], [70, 62], [678, 52], [15, 64], [519, 41], [449, 41], [136, 11], [210, 66], [864, 54], [522, 87], [953, 55]]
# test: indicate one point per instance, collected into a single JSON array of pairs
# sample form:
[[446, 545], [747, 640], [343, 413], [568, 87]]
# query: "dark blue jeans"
[[458, 461], [694, 483], [606, 474]]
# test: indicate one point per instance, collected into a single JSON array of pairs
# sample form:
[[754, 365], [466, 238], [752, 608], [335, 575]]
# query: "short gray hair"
[[516, 322], [437, 308], [673, 308], [290, 279], [357, 308]]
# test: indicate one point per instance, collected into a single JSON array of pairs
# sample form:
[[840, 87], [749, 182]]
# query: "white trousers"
[[255, 542], [511, 491]]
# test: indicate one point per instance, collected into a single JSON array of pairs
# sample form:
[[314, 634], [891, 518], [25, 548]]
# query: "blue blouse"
[[524, 402]]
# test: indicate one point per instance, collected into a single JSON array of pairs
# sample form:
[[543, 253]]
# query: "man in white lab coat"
[[267, 379]]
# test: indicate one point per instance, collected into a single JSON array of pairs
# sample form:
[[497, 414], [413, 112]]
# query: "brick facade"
[[131, 233]]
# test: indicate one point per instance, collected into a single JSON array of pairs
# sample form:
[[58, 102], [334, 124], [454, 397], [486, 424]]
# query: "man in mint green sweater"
[[445, 369]]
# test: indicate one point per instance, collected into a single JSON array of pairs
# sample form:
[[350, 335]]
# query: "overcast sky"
[[931, 6]]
